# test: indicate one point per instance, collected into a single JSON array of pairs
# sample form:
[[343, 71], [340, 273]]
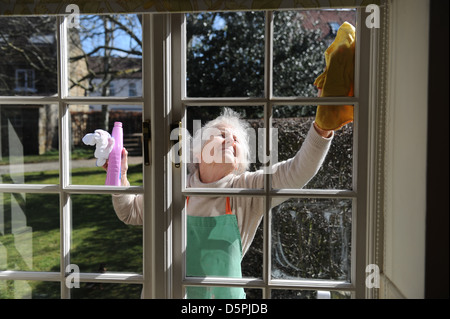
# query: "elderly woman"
[[220, 229]]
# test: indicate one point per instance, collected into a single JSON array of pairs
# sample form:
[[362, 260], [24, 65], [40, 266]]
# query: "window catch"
[[173, 139], [146, 136]]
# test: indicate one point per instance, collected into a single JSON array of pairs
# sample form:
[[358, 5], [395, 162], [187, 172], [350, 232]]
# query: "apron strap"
[[227, 207]]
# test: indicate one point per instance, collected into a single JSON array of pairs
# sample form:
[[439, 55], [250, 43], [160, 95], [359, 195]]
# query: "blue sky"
[[122, 40]]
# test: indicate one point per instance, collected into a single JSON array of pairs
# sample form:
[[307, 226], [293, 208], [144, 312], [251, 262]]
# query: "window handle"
[[146, 135], [178, 156]]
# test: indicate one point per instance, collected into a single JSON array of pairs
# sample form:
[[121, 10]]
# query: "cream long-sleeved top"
[[293, 173]]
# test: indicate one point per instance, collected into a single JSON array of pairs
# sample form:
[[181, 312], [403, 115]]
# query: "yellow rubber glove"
[[338, 79]]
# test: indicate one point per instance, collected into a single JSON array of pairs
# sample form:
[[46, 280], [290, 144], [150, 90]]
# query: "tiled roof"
[[314, 19]]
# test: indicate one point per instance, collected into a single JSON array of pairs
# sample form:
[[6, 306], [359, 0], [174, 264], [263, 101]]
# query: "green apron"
[[214, 249]]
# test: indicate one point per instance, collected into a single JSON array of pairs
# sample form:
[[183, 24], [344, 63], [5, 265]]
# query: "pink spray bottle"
[[115, 157]]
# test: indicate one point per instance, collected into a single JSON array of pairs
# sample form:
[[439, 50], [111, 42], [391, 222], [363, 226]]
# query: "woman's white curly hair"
[[227, 119]]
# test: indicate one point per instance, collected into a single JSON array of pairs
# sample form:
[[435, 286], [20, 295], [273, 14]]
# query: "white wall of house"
[[406, 157], [121, 88]]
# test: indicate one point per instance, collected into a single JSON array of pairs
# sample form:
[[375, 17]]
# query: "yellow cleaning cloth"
[[338, 79]]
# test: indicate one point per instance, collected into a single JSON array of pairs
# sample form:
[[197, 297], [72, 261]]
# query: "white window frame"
[[363, 166], [64, 188], [163, 101]]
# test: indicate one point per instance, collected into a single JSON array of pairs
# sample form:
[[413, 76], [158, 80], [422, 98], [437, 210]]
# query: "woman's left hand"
[[323, 133]]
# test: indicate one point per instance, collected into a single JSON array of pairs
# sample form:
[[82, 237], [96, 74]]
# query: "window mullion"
[[117, 100], [268, 92], [268, 56], [176, 200], [300, 193], [156, 47], [64, 147], [361, 156], [147, 39]]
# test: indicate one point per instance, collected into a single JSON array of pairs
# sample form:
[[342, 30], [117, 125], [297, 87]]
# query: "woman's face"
[[222, 147]]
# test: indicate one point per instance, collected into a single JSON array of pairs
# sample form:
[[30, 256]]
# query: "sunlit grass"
[[79, 176], [30, 240], [50, 156]]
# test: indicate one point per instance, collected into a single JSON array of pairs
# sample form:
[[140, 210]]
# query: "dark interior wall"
[[437, 228]]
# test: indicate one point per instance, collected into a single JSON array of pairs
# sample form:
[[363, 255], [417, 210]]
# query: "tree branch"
[[79, 57], [126, 29]]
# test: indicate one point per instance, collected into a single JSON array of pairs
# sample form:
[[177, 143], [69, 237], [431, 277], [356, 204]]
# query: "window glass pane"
[[253, 260], [251, 293], [28, 56], [247, 233], [22, 289], [309, 294], [105, 56], [29, 144], [29, 232], [100, 240], [252, 116], [86, 119], [90, 290], [225, 54], [311, 238], [293, 123], [300, 40]]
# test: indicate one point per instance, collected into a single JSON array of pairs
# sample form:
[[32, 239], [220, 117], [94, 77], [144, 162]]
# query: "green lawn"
[[30, 240], [51, 156]]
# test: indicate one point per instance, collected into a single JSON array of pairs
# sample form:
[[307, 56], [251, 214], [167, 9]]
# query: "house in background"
[[328, 21], [126, 79], [28, 67]]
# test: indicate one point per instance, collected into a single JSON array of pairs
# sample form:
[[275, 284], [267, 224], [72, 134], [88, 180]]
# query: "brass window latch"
[[146, 133]]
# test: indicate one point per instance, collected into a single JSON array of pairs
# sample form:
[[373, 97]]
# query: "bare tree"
[[96, 50]]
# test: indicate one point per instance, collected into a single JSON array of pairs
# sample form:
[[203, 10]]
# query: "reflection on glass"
[[29, 232], [309, 294], [300, 40], [225, 54], [22, 289], [312, 239], [28, 56], [29, 144], [106, 291], [86, 119], [100, 241], [293, 123], [105, 56]]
